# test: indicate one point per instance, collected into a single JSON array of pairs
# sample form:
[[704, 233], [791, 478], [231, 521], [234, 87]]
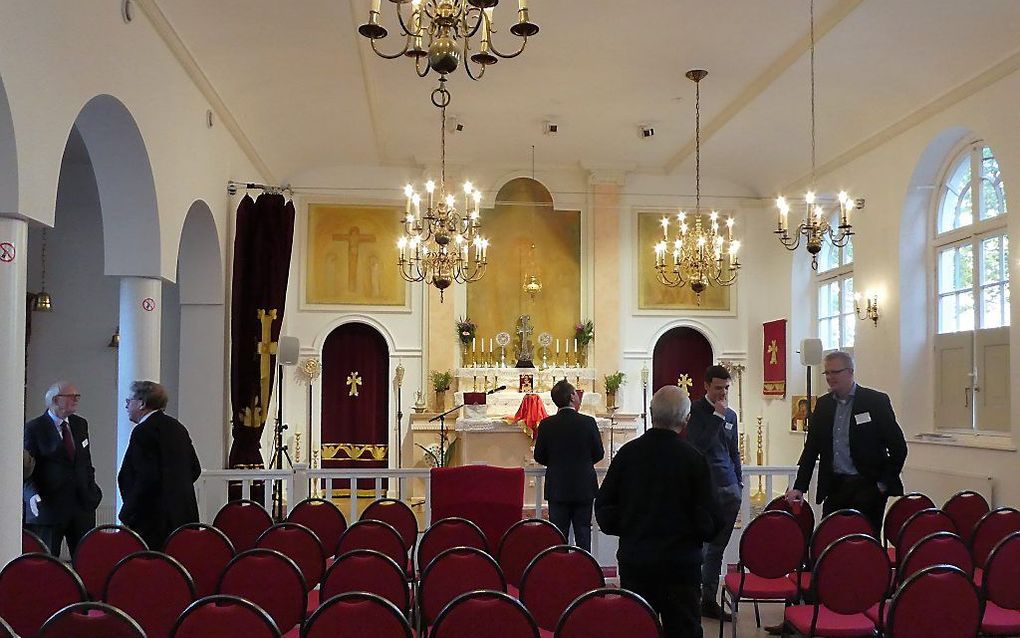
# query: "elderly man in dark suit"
[[60, 496], [159, 470], [569, 445]]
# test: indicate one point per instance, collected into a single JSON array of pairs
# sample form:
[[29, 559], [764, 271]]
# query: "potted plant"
[[441, 382], [613, 383], [466, 331], [584, 333]]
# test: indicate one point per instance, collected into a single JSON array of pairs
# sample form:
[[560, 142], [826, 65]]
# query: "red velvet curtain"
[[681, 351], [354, 428]]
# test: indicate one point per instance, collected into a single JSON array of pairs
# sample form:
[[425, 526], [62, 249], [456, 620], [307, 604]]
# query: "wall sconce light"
[[115, 339], [870, 310]]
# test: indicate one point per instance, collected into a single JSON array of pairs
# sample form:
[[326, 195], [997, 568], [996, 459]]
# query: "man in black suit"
[[60, 496], [569, 445], [159, 470], [854, 431]]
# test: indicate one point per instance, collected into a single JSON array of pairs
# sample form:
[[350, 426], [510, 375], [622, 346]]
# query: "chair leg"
[[722, 606], [757, 615]]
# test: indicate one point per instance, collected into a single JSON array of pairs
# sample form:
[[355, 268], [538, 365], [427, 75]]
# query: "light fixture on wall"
[[695, 255], [870, 310], [114, 339], [438, 33], [442, 246], [815, 228], [43, 302]]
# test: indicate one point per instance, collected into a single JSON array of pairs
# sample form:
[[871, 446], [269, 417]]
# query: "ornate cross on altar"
[[353, 380], [773, 351], [353, 237], [266, 351], [685, 382]]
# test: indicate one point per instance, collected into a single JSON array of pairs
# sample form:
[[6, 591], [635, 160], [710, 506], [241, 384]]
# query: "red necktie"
[[65, 434]]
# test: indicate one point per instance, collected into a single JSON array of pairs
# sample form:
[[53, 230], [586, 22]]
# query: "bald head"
[[670, 408]]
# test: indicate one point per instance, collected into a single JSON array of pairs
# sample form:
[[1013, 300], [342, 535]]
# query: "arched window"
[[835, 286]]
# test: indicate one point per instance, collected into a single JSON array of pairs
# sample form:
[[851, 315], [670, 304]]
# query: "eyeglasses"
[[830, 373], [129, 400], [76, 397]]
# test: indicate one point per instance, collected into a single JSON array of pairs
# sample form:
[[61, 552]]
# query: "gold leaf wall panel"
[[652, 295]]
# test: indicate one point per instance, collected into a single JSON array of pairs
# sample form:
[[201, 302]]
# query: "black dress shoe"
[[774, 630], [711, 609]]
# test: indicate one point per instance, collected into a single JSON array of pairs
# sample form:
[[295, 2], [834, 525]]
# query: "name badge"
[[862, 418], [729, 426], [85, 443]]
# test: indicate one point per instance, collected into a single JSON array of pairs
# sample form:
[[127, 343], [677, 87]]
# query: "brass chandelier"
[[699, 255], [438, 33], [815, 228], [442, 246]]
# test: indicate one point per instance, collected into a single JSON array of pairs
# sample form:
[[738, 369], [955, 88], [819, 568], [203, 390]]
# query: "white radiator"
[[941, 484], [105, 515]]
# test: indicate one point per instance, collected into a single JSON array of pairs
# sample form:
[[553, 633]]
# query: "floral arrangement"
[[441, 381], [466, 330], [432, 458], [614, 381], [584, 333]]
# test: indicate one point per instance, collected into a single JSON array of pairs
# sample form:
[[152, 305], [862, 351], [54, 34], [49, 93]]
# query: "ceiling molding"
[[187, 61], [766, 79], [370, 90]]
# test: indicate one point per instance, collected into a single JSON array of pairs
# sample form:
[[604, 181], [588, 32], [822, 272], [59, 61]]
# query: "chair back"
[[377, 535], [491, 497], [398, 514], [940, 600], [151, 587], [322, 517], [243, 521], [554, 579], [609, 613], [270, 580], [492, 614], [920, 524], [804, 514], [522, 543], [857, 559], [204, 551], [454, 572], [369, 571], [772, 546], [1002, 573], [966, 508], [6, 631], [33, 587], [900, 511], [30, 542], [939, 548], [835, 526], [447, 533], [224, 617], [91, 620], [990, 530], [355, 615], [99, 551], [301, 545]]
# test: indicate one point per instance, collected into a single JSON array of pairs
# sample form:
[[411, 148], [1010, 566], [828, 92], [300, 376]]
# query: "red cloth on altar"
[[530, 414], [491, 497]]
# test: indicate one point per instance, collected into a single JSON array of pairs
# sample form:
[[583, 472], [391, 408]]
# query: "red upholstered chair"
[[771, 553], [898, 514], [554, 579], [91, 620], [920, 524], [937, 601], [454, 572], [369, 571], [243, 521], [151, 587], [99, 551], [398, 514], [609, 613], [30, 542], [521, 544], [270, 580], [966, 508], [492, 614], [851, 576], [224, 617], [356, 615], [204, 551], [35, 586], [375, 535], [999, 589], [491, 497], [6, 631], [989, 532], [322, 517], [447, 533], [833, 527], [804, 514], [940, 548], [301, 545]]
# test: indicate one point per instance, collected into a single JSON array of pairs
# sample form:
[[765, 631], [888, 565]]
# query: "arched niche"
[[681, 352]]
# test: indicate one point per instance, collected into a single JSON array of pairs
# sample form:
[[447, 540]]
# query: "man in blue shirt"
[[712, 429]]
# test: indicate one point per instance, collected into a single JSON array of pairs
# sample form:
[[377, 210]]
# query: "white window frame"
[[841, 273]]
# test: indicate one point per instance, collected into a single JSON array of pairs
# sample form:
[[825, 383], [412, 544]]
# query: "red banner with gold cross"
[[774, 358]]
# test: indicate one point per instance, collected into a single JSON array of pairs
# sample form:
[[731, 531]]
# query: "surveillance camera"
[[552, 128], [459, 127], [647, 131]]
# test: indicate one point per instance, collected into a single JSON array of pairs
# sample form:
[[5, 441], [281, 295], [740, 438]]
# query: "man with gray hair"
[[159, 470], [658, 498]]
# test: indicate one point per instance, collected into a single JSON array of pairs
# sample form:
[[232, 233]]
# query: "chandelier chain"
[[697, 147], [812, 91], [442, 149]]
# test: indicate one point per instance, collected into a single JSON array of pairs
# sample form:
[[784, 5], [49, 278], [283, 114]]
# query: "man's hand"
[[720, 406], [33, 504], [794, 497]]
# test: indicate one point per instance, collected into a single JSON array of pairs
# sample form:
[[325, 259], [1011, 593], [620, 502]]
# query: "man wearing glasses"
[[61, 495], [854, 431]]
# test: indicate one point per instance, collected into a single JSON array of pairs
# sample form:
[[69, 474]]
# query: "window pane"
[[823, 303], [965, 310], [1005, 305], [993, 196], [991, 260], [955, 210], [848, 253], [956, 269], [825, 335], [991, 306], [834, 332], [947, 314], [849, 328], [956, 312], [848, 295]]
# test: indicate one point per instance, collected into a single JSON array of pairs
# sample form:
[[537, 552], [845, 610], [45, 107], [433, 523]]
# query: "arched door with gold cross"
[[355, 402], [680, 358]]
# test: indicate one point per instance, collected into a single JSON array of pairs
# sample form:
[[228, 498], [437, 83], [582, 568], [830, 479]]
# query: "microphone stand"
[[442, 433], [400, 418]]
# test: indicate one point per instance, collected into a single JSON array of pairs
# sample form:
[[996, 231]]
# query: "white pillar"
[[13, 288], [138, 355]]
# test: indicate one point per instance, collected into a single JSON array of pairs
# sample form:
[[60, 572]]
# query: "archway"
[[681, 353]]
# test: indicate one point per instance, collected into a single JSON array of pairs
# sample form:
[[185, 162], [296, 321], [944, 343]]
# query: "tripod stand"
[[279, 448]]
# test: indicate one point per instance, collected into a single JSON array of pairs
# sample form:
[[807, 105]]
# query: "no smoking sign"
[[148, 304], [7, 252]]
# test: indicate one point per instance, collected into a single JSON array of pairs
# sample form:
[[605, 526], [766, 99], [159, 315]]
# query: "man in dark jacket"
[[569, 445], [658, 498], [159, 470]]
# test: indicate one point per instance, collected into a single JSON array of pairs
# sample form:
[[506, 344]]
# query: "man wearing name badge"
[[60, 494]]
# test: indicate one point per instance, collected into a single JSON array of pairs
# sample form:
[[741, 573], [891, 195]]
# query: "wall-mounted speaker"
[[287, 350]]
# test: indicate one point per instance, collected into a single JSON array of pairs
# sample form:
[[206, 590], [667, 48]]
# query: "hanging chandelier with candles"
[[439, 33], [442, 246], [815, 227], [699, 254]]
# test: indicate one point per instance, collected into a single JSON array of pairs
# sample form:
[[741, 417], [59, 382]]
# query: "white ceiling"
[[308, 92]]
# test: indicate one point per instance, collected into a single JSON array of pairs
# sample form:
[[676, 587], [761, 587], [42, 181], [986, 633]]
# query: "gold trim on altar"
[[354, 451]]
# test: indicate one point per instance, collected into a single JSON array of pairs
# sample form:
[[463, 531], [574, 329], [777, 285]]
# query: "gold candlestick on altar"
[[317, 488], [297, 447], [759, 498]]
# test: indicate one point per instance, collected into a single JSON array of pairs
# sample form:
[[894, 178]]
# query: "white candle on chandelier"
[[784, 210], [665, 227], [486, 28], [477, 196], [844, 208], [408, 192], [557, 346], [468, 188], [402, 247], [522, 5], [729, 228], [416, 200], [430, 188]]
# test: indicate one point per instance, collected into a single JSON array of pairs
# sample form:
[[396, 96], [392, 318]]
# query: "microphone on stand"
[[502, 387]]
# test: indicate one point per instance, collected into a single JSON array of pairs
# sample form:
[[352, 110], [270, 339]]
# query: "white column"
[[138, 355], [13, 288]]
